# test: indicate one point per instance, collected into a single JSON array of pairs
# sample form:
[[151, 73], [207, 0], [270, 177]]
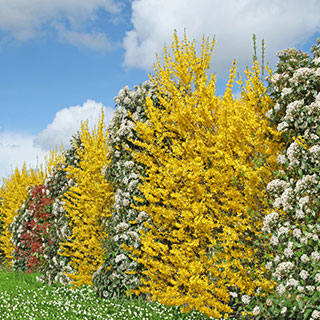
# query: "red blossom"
[[35, 235]]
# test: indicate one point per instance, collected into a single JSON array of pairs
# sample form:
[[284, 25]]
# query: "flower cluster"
[[294, 224], [120, 272]]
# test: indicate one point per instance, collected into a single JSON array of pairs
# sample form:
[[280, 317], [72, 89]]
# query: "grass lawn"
[[22, 297]]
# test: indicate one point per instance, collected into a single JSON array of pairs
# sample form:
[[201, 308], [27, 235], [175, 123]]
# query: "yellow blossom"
[[88, 202], [208, 161], [13, 192]]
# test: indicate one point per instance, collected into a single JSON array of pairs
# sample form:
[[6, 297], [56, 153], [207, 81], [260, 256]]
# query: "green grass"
[[22, 297]]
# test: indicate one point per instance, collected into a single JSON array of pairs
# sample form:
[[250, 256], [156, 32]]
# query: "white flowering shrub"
[[294, 224], [41, 225], [120, 272], [57, 265]]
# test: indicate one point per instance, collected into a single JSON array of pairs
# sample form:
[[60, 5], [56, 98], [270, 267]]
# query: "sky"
[[61, 61]]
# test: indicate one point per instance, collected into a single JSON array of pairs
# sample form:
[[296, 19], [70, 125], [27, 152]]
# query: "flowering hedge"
[[293, 225], [181, 198], [120, 272]]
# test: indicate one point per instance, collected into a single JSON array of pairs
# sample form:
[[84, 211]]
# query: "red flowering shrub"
[[31, 230]]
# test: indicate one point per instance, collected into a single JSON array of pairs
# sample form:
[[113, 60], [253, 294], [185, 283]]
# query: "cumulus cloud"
[[281, 24], [19, 148], [25, 19], [15, 149], [68, 121]]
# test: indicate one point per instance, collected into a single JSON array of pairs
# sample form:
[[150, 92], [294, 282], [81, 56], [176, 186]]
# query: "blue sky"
[[62, 60]]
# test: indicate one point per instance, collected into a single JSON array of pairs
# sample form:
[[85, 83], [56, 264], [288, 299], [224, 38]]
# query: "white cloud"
[[68, 121], [25, 19], [281, 24], [19, 148], [15, 149], [94, 41]]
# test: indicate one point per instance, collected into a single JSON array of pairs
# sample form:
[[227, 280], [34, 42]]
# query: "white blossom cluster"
[[120, 271], [315, 315], [283, 268], [293, 225], [269, 220], [301, 75]]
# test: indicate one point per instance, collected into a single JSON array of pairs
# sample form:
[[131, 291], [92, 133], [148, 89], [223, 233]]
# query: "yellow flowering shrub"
[[54, 159], [208, 160], [13, 193], [87, 204]]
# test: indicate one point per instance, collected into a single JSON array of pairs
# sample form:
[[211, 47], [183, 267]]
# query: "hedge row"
[[202, 201]]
